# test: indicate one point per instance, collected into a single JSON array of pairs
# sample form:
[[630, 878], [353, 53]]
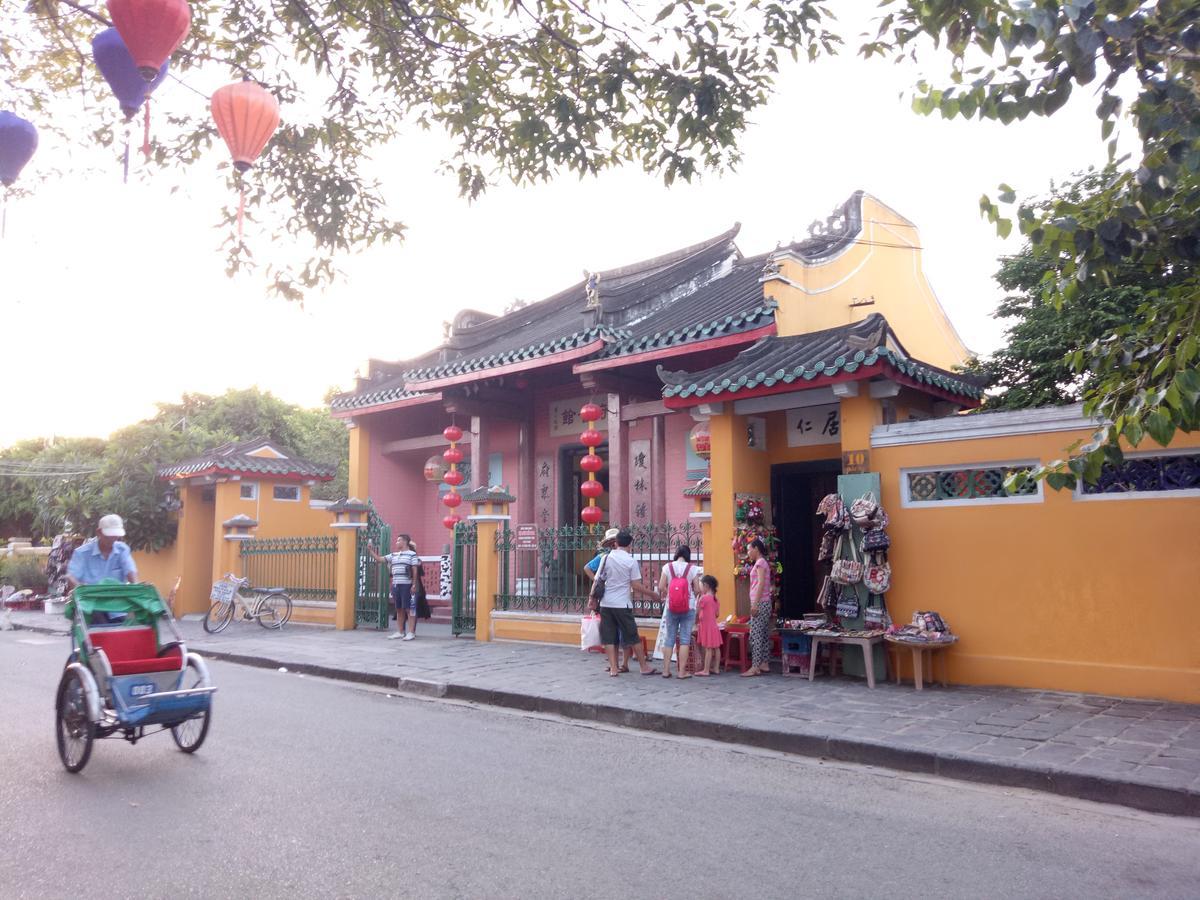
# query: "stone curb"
[[956, 766]]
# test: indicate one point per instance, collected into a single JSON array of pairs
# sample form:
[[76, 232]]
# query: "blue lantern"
[[18, 141], [118, 68]]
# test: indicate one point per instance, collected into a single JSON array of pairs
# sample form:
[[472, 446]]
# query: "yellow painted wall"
[[884, 264], [1067, 594], [548, 631], [160, 568], [736, 468], [276, 518], [195, 550]]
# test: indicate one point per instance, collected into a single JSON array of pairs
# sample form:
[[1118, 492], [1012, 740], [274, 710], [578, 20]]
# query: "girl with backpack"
[[680, 585]]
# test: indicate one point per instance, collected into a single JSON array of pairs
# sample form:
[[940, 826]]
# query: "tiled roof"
[[702, 488], [796, 359], [493, 494], [730, 304], [234, 459], [527, 350], [388, 390]]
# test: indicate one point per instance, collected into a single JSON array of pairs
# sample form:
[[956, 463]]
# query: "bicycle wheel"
[[75, 733], [219, 615], [190, 733], [273, 610]]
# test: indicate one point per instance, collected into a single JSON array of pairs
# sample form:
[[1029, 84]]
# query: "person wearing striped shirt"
[[403, 562]]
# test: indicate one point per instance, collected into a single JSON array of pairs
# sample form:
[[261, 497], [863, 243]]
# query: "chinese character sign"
[[564, 417], [640, 480], [544, 467], [814, 425]]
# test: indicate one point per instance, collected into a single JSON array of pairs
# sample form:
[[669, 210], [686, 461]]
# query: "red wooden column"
[[618, 488], [479, 473], [658, 470], [525, 476]]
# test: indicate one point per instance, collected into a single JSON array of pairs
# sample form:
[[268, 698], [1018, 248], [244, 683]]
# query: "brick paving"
[[1142, 753]]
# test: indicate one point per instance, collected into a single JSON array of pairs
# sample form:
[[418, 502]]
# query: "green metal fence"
[[546, 573], [305, 566], [372, 580], [464, 564]]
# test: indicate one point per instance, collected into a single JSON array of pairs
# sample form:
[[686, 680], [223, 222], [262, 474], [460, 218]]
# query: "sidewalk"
[[1138, 753]]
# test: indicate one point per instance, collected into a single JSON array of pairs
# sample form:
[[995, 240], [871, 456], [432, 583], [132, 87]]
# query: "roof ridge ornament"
[[591, 289]]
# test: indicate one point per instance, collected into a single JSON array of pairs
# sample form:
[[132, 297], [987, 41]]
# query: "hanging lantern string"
[[241, 213]]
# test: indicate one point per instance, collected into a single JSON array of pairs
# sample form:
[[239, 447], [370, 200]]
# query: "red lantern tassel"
[[146, 135], [4, 214]]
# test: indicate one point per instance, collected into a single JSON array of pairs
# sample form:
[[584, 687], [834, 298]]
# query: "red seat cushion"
[[133, 651]]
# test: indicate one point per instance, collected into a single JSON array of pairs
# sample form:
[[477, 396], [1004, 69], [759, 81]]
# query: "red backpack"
[[679, 590]]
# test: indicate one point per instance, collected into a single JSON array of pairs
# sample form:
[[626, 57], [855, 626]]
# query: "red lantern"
[[452, 433], [701, 440], [591, 438], [591, 489], [591, 413], [453, 478], [451, 499], [435, 469], [151, 29], [246, 114], [452, 455], [592, 515], [591, 463], [451, 521]]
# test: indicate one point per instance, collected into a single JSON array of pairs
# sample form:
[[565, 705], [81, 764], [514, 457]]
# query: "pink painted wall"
[[679, 507]]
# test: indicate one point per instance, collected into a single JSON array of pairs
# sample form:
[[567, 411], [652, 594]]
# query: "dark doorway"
[[570, 501], [796, 489]]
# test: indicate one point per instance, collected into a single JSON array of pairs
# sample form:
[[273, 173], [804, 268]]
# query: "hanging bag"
[[589, 632], [876, 616], [875, 539], [847, 607], [834, 511], [846, 571], [877, 574], [863, 510], [827, 596], [596, 594]]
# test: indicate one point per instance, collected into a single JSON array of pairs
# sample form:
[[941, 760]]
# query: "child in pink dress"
[[708, 633]]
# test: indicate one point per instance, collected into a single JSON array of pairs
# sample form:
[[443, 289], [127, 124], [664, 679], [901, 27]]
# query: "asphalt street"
[[309, 788]]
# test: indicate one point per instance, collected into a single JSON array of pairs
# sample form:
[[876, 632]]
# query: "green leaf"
[[1159, 426]]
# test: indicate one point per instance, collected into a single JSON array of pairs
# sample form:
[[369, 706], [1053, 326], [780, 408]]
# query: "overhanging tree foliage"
[[1034, 367], [527, 90]]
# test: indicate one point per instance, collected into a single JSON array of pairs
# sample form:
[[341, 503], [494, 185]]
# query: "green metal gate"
[[464, 564], [372, 600]]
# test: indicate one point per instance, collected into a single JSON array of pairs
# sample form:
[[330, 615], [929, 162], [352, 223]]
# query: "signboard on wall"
[[526, 537], [856, 462], [544, 503], [814, 425], [640, 488], [565, 421]]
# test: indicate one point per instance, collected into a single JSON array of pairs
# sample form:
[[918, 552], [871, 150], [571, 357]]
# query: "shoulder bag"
[[847, 607], [846, 571], [596, 594]]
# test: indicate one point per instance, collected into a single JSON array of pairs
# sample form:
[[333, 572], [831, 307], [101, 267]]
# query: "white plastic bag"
[[589, 632]]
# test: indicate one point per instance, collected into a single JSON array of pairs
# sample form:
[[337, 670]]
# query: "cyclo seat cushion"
[[132, 651]]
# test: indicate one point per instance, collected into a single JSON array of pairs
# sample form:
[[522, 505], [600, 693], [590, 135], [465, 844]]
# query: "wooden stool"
[[736, 650]]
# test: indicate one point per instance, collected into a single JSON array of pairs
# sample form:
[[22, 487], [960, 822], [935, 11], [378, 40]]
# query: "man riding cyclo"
[[104, 558]]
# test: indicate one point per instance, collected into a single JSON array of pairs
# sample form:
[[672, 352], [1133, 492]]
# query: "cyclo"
[[124, 677]]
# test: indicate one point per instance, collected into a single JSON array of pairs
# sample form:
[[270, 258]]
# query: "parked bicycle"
[[270, 607]]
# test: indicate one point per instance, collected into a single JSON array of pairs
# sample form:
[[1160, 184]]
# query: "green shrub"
[[24, 572]]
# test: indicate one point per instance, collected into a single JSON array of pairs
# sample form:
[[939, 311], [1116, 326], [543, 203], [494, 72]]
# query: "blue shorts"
[[402, 596], [680, 625]]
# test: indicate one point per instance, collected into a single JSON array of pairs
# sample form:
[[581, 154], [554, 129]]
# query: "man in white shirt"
[[622, 579]]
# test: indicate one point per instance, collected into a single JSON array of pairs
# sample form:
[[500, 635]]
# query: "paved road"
[[309, 788]]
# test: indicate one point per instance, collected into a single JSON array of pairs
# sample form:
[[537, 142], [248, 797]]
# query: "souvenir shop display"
[[926, 628], [846, 530], [750, 524]]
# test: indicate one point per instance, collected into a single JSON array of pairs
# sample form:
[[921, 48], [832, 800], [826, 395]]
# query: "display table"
[[919, 650], [866, 643]]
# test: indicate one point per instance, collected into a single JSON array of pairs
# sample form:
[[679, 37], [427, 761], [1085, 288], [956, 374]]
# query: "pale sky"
[[114, 297]]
